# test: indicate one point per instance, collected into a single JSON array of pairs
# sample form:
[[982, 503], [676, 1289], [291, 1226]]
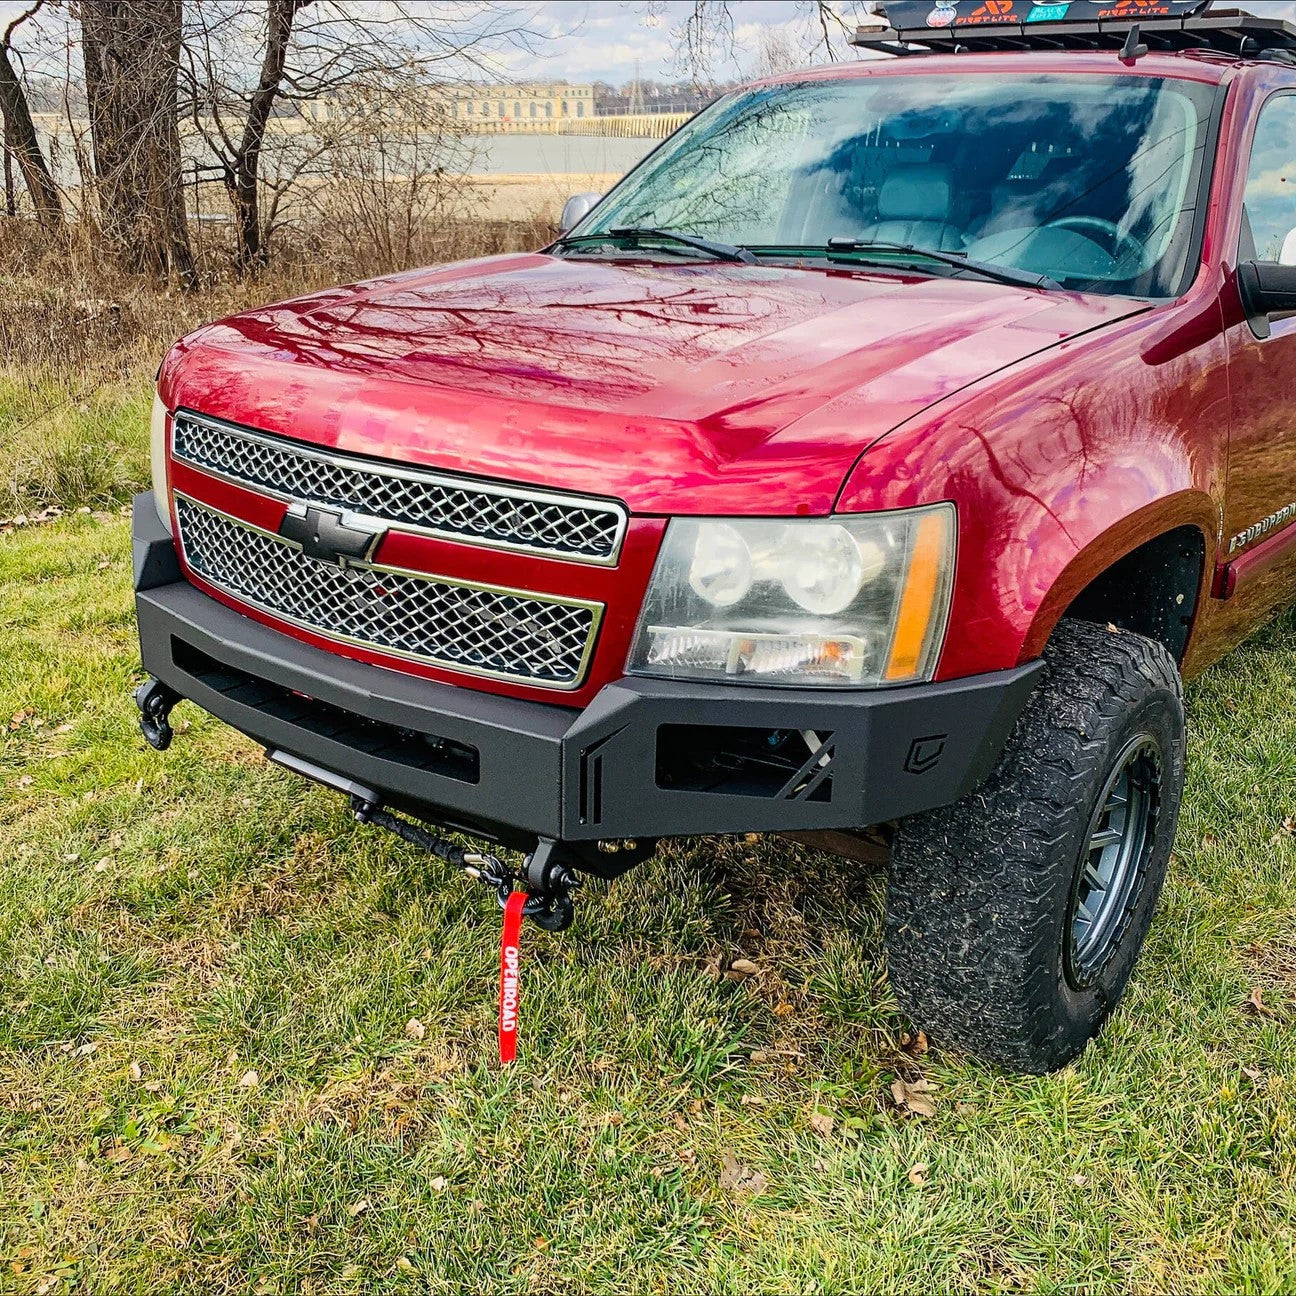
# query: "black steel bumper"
[[646, 759]]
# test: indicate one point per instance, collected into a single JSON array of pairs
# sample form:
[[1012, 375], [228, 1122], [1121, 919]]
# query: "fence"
[[620, 126]]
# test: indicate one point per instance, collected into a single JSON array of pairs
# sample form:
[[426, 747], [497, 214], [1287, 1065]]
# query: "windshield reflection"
[[1089, 180]]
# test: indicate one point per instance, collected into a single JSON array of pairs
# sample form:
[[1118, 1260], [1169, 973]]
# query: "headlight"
[[158, 459], [855, 601]]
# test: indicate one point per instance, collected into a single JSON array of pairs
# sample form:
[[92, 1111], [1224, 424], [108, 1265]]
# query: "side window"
[[1271, 183]]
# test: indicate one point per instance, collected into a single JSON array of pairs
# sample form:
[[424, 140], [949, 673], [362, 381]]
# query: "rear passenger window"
[[1271, 184]]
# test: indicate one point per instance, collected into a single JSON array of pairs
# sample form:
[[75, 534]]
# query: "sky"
[[599, 40], [603, 40]]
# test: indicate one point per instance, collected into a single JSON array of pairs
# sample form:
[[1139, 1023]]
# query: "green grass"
[[170, 923], [60, 445]]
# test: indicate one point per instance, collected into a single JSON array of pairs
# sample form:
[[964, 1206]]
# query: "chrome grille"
[[509, 517], [468, 628]]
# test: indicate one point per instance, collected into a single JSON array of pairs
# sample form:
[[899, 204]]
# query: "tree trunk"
[[11, 198], [244, 175], [21, 142], [131, 52]]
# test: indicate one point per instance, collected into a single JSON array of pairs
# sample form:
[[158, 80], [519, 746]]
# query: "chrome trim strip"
[[595, 609], [398, 472]]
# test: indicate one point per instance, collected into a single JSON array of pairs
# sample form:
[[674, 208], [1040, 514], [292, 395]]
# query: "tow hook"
[[546, 880], [549, 884], [155, 701]]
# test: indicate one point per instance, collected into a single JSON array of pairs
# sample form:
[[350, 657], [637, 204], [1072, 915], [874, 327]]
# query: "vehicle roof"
[[1189, 65]]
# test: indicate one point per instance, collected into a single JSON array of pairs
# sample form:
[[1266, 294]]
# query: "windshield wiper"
[[983, 269], [639, 234]]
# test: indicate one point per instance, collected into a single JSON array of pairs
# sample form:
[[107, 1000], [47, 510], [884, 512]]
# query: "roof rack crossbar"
[[1233, 33]]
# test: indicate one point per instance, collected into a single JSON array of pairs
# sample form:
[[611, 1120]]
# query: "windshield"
[[1092, 181]]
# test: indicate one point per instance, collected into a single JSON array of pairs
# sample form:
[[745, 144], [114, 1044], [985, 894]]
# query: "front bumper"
[[646, 759]]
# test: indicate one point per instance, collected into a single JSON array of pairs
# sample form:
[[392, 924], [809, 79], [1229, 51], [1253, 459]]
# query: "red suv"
[[878, 455]]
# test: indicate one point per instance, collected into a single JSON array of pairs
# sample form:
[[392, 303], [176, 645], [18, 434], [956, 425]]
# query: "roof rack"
[[1015, 27]]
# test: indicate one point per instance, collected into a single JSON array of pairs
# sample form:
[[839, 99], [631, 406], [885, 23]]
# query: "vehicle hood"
[[678, 388]]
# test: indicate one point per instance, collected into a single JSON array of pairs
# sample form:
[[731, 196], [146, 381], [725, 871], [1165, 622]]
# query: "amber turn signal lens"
[[920, 615]]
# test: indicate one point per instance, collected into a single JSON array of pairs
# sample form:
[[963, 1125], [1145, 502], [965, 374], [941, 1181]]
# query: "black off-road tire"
[[982, 895]]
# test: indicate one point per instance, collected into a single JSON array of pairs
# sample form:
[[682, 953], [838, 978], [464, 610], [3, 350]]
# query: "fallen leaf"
[[911, 1096], [438, 1184], [358, 1208], [405, 1264], [134, 1072], [102, 864], [784, 1009], [738, 1179], [918, 1174], [85, 1049], [249, 1080], [822, 1123], [1256, 1006], [915, 1045], [414, 1029]]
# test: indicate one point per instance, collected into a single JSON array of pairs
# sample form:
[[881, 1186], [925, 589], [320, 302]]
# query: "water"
[[568, 155], [558, 154]]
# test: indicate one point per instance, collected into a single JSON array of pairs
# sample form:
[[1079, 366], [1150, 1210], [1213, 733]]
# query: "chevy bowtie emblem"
[[323, 534]]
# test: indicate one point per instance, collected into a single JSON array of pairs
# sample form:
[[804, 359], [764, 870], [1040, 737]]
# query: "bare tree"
[[20, 139], [708, 36], [316, 57], [130, 50], [396, 162], [243, 166]]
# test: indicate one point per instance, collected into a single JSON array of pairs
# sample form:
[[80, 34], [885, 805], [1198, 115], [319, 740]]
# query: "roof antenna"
[[1133, 48]]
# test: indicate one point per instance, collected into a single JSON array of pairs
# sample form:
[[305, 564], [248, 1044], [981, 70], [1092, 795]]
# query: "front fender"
[[1059, 468]]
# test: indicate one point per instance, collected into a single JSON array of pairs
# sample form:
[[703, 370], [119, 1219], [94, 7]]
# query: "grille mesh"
[[464, 627], [460, 509]]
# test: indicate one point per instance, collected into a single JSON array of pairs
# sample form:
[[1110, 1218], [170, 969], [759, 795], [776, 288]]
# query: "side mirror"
[[575, 209], [1268, 289]]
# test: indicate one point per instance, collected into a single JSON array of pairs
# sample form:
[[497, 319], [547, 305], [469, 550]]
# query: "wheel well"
[[1152, 591]]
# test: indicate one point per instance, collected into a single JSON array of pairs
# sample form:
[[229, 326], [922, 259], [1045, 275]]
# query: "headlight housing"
[[158, 459], [851, 601]]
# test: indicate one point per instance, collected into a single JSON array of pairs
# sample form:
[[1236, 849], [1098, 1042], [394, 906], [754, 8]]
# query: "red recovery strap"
[[508, 998]]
